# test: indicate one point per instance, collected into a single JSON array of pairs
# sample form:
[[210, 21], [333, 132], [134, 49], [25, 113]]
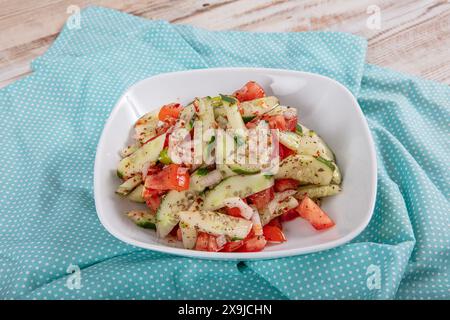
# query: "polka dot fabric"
[[51, 122]]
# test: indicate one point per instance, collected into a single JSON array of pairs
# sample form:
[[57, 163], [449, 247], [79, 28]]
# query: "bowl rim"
[[241, 256]]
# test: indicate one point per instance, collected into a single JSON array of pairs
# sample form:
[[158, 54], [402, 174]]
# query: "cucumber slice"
[[245, 168], [216, 223], [188, 235], [128, 186], [149, 152], [136, 194], [166, 216], [206, 112], [337, 176], [236, 186], [199, 181], [225, 171], [305, 168], [234, 118], [129, 150], [187, 115], [306, 144], [314, 192], [258, 106], [145, 126], [285, 205], [143, 219]]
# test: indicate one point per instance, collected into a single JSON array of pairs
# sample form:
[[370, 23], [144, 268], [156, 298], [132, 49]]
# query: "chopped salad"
[[220, 206]]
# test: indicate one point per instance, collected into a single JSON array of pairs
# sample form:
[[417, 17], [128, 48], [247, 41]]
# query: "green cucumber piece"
[[234, 118], [216, 223], [129, 185], [149, 152], [266, 216], [143, 219], [337, 176], [129, 150], [236, 186], [171, 204], [188, 235], [306, 144], [315, 192], [258, 106], [145, 126], [305, 168], [245, 168], [225, 171], [136, 194]]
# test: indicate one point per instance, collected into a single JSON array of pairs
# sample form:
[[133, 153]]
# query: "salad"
[[213, 197]]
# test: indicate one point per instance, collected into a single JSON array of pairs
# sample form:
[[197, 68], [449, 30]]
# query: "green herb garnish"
[[248, 118], [202, 171], [164, 156], [299, 129]]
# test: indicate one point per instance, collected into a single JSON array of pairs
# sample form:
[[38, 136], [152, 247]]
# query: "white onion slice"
[[290, 113], [246, 211], [221, 240], [257, 226], [145, 170]]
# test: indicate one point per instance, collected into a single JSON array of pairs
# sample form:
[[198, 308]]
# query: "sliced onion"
[[221, 240], [236, 202], [257, 226], [211, 178], [145, 168], [290, 113]]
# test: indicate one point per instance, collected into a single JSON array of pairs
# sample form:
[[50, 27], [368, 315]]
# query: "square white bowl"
[[323, 104]]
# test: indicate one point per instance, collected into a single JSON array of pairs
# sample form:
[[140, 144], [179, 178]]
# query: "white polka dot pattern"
[[51, 122]]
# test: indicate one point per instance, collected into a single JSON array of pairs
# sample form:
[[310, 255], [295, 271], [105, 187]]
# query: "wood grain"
[[414, 36]]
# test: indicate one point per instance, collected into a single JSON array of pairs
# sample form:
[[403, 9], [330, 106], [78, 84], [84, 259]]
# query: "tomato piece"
[[235, 212], [273, 234], [152, 198], [291, 123], [153, 202], [171, 177], [284, 152], [277, 222], [285, 184], [251, 90], [310, 211], [178, 177], [202, 241], [212, 244], [289, 215], [169, 112], [251, 125], [276, 122], [232, 246], [262, 198], [253, 244]]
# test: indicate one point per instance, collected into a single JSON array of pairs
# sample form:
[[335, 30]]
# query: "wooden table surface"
[[414, 36]]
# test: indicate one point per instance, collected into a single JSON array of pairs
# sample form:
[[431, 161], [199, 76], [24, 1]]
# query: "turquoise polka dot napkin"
[[52, 245]]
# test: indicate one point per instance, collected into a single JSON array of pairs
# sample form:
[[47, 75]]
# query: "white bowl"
[[324, 105]]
